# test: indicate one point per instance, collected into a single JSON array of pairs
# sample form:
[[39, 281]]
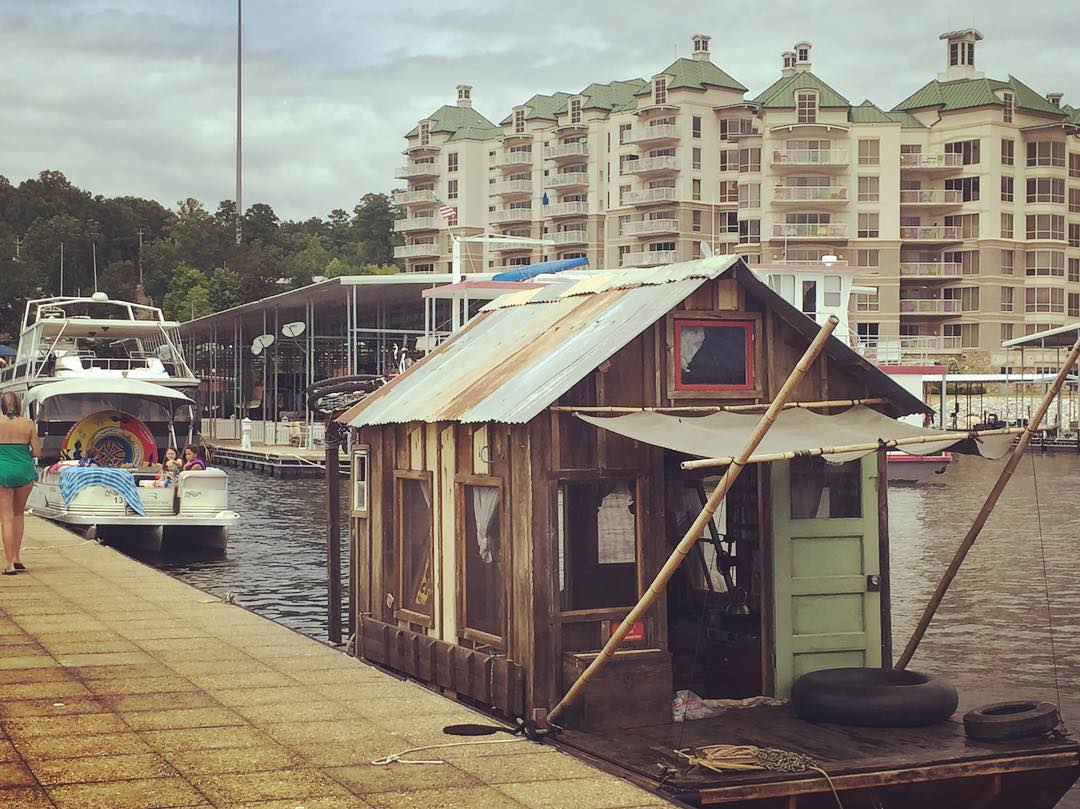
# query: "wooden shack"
[[499, 537]]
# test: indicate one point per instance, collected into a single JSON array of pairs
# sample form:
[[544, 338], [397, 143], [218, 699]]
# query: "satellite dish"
[[828, 261], [706, 249], [294, 329], [256, 349], [99, 296]]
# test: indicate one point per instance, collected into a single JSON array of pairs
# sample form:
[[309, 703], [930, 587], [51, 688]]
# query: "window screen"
[[597, 544], [714, 354]]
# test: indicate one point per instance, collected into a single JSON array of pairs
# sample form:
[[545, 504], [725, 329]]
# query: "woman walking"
[[19, 445]]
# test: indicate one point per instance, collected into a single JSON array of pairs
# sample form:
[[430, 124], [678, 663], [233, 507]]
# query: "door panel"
[[825, 617]]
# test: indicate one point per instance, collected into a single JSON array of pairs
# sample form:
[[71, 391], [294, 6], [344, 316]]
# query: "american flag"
[[448, 213]]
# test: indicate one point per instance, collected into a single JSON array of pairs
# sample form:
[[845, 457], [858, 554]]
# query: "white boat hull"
[[904, 468]]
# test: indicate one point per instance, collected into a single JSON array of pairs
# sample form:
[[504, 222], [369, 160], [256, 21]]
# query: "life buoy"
[[120, 439], [877, 698], [1011, 720]]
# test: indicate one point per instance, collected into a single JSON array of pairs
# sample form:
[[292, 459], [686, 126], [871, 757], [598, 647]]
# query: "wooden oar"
[[694, 532], [988, 506]]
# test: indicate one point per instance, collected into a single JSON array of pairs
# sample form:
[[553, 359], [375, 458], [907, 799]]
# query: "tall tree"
[[373, 224]]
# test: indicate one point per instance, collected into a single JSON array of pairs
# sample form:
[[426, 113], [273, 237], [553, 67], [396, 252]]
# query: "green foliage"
[[189, 257]]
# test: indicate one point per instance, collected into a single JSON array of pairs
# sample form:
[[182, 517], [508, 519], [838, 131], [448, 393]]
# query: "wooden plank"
[[445, 667], [883, 558], [537, 570]]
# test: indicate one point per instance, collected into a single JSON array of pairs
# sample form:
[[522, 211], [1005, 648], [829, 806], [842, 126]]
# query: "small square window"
[[714, 354], [359, 503]]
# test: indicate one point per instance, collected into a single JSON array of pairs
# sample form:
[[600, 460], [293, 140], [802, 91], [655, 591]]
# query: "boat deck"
[[272, 459], [1028, 773]]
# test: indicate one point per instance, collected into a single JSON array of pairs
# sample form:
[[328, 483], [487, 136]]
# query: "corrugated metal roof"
[[967, 93], [695, 74], [514, 360], [449, 118]]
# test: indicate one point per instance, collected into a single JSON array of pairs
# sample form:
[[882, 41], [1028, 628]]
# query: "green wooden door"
[[826, 612]]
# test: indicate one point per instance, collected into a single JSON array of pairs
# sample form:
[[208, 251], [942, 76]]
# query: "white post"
[[455, 277], [245, 433]]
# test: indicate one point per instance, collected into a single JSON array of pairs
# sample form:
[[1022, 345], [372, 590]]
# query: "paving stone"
[[234, 760], [263, 786], [102, 768], [25, 798], [204, 738], [602, 792], [141, 685], [471, 798], [63, 725], [154, 701], [367, 778], [151, 793], [34, 748], [14, 774], [183, 718]]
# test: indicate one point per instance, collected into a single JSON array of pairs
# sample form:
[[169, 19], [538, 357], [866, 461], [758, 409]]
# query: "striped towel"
[[73, 479]]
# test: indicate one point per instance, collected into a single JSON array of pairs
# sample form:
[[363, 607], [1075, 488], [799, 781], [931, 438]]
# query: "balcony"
[[580, 149], [931, 270], [819, 230], [416, 250], [808, 193], [932, 161], [511, 187], [650, 258], [569, 237], [649, 196], [412, 197], [933, 233], [929, 306], [931, 197], [819, 158], [651, 134], [929, 343], [567, 179], [648, 227], [513, 157], [505, 246], [566, 209], [510, 215], [418, 223], [647, 165], [417, 168]]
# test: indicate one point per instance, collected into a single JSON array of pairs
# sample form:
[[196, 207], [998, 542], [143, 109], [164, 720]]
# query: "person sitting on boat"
[[193, 459], [170, 468], [89, 457]]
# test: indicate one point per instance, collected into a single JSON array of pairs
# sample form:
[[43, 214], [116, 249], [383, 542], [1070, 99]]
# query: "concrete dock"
[[122, 687]]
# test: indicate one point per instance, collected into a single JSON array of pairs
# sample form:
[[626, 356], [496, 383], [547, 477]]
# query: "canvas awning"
[[722, 435]]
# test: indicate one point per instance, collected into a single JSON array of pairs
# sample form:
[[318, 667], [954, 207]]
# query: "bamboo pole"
[[869, 446], [988, 506], [707, 511], [717, 408]]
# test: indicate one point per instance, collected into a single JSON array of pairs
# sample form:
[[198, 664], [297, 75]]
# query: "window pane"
[[712, 354], [597, 545], [483, 559], [822, 490], [414, 540]]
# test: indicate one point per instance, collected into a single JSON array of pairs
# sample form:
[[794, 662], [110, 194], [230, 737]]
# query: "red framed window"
[[714, 354]]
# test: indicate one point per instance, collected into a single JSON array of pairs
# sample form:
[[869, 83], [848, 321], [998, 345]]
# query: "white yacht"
[[110, 375]]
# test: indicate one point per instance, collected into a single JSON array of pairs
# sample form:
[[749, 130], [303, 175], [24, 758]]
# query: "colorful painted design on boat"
[[120, 439]]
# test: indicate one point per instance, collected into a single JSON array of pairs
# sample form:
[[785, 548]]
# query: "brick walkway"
[[121, 687]]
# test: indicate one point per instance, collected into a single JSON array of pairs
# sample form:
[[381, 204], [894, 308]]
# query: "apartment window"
[[868, 258], [695, 221], [1074, 200], [869, 189], [868, 226], [867, 301], [1045, 263], [714, 354], [967, 149], [1046, 153], [519, 121], [575, 110], [1074, 234], [623, 191], [695, 189], [451, 189], [1006, 189], [806, 107], [728, 222], [660, 90], [1007, 262], [967, 224], [1006, 226], [967, 296], [729, 191], [1007, 299], [749, 231], [452, 161], [1046, 189], [1074, 304], [1007, 113], [624, 132], [832, 291], [749, 159], [750, 195], [425, 134], [1074, 164], [1006, 334], [729, 160], [869, 152], [695, 157], [1044, 299], [967, 333], [695, 126], [868, 332], [967, 186], [1045, 226], [1074, 270], [968, 260], [1008, 151]]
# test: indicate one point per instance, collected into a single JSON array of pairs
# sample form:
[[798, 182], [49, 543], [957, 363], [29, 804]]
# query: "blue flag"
[[545, 198]]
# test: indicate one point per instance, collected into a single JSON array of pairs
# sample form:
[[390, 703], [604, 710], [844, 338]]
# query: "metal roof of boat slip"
[[526, 349]]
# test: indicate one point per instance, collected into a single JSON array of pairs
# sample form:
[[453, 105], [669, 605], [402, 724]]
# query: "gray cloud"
[[136, 97]]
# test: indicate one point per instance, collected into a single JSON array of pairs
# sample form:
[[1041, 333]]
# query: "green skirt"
[[16, 466]]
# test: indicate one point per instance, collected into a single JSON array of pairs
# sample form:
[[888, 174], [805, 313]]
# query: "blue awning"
[[533, 270]]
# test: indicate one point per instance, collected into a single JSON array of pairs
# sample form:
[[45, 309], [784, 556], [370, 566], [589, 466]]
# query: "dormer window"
[[575, 110], [804, 54], [519, 121], [789, 60], [1009, 105], [806, 107], [971, 54], [425, 134], [660, 90], [954, 53]]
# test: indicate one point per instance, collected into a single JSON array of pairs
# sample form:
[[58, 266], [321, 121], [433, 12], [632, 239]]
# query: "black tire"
[[876, 698], [1011, 720]]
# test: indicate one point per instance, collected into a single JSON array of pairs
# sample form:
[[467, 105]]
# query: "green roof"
[[477, 133], [967, 93], [542, 106], [869, 113], [906, 120], [1072, 112], [781, 93], [451, 119], [614, 96], [696, 74]]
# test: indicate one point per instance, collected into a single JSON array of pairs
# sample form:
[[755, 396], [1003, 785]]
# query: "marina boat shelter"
[[514, 493]]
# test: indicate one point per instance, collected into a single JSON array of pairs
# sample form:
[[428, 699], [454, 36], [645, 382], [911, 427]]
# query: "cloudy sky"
[[138, 97]]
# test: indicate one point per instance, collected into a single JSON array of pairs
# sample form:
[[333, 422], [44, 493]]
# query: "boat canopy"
[[108, 390], [723, 435]]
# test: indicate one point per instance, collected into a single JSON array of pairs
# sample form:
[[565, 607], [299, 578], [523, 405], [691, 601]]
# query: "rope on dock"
[[396, 758]]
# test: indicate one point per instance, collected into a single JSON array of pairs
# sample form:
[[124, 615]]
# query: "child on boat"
[[193, 459], [170, 468]]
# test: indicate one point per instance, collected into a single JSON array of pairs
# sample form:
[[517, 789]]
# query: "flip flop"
[[20, 566], [10, 572]]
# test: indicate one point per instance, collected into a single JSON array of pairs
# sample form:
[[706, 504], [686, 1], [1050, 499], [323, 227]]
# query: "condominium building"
[[960, 205]]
